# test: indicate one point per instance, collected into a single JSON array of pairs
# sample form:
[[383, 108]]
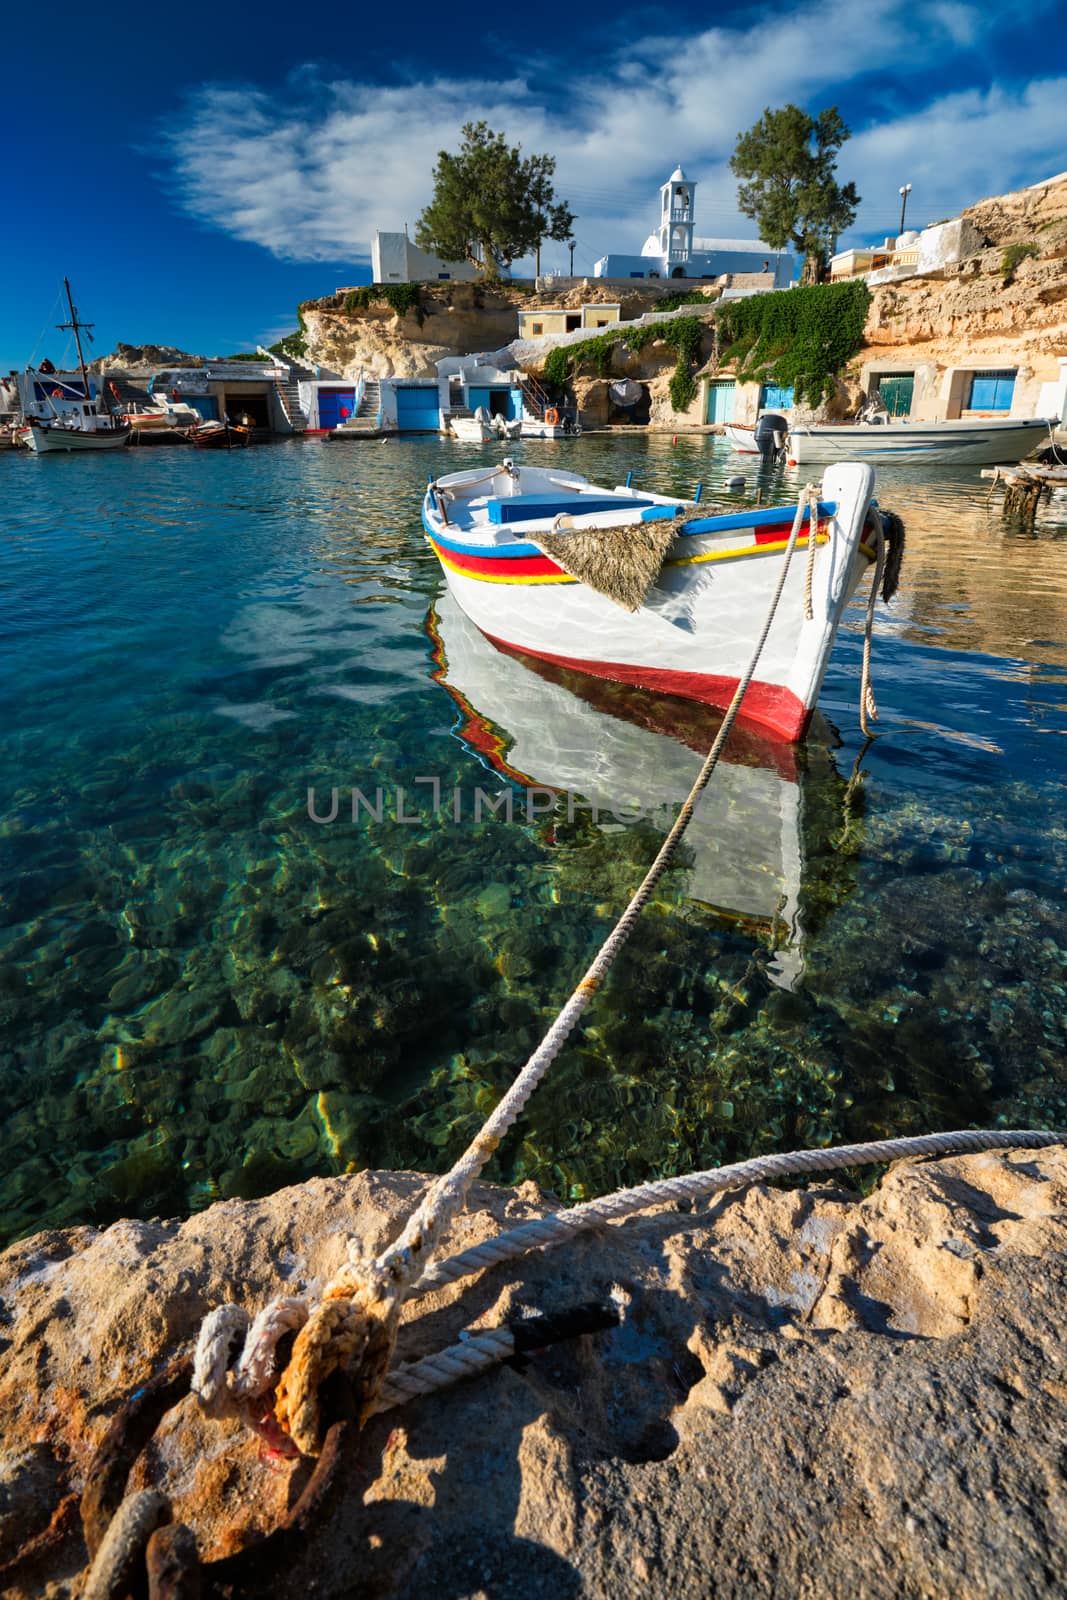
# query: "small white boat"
[[552, 425], [612, 753], [473, 430], [703, 585], [971, 441]]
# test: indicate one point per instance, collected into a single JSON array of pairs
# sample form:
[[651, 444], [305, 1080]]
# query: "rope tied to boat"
[[887, 531], [354, 1326]]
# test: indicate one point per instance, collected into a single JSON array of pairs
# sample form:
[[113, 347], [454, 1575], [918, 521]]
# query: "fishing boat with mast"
[[82, 423]]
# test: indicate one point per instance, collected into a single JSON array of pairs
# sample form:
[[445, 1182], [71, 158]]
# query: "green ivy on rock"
[[801, 337], [683, 334], [402, 297]]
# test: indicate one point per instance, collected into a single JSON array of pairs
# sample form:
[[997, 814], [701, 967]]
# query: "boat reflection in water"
[[627, 751]]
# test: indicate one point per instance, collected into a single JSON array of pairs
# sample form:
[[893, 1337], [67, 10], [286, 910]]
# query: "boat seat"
[[524, 507]]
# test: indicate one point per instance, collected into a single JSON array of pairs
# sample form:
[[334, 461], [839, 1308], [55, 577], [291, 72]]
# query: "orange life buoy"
[[551, 416]]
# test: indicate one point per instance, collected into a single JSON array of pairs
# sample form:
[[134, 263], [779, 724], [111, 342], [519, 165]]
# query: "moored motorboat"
[[88, 432], [550, 424], [970, 441], [472, 430], [690, 590]]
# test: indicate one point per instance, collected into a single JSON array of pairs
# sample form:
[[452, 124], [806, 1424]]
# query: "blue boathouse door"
[[417, 409], [331, 404], [722, 394]]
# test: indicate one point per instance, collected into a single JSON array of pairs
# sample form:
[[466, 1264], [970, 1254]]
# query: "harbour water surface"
[[205, 992]]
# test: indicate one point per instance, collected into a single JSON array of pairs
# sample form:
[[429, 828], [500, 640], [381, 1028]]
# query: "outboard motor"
[[772, 430]]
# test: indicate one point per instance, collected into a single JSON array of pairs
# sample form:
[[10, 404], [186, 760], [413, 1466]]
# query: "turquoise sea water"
[[204, 992]]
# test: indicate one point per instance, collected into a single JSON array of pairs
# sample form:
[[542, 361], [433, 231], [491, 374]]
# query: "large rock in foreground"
[[809, 1395]]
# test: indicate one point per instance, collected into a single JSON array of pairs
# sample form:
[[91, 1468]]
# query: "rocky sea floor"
[[205, 993]]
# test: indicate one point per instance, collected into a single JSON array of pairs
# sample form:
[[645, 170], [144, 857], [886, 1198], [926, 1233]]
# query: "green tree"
[[491, 204], [787, 162]]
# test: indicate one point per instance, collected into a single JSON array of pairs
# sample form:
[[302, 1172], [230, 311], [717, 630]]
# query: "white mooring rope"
[[354, 1325]]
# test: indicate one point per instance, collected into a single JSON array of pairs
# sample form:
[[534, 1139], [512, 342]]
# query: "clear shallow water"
[[203, 992]]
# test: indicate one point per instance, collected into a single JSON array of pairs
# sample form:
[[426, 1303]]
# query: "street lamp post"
[[904, 193], [570, 247]]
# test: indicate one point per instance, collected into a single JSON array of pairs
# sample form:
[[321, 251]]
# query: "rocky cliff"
[[449, 319], [810, 1394], [1002, 301]]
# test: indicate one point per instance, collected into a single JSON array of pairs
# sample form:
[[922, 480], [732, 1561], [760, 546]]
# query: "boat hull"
[[694, 633], [741, 439], [217, 436], [968, 442], [48, 441], [534, 428], [471, 431]]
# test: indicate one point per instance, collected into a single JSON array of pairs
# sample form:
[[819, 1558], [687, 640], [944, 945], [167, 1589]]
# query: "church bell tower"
[[676, 223]]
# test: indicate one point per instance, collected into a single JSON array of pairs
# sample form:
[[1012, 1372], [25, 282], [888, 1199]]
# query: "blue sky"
[[198, 175]]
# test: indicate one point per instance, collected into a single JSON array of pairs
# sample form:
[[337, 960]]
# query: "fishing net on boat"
[[621, 562]]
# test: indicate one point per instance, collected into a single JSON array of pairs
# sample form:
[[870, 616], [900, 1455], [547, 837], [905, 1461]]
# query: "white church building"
[[671, 251]]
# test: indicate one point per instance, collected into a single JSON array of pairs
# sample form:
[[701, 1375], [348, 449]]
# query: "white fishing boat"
[[551, 424], [472, 430], [613, 753], [645, 589], [82, 423], [971, 441]]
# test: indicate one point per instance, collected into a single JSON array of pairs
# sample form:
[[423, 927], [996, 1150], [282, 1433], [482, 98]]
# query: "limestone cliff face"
[[458, 319], [374, 339], [981, 307]]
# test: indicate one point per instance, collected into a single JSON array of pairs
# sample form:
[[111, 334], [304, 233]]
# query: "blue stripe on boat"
[[758, 518]]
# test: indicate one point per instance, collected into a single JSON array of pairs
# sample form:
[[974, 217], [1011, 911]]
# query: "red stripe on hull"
[[769, 706], [499, 566]]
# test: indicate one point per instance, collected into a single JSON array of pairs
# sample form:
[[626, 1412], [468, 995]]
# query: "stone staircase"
[[365, 420], [371, 402], [288, 388], [289, 395], [535, 399]]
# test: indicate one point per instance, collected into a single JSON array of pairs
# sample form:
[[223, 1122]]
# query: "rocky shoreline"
[[810, 1394]]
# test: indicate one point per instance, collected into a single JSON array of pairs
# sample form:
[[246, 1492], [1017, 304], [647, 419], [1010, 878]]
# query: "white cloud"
[[957, 150], [315, 169]]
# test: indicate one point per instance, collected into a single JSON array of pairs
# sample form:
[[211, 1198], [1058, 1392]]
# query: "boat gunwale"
[[709, 527]]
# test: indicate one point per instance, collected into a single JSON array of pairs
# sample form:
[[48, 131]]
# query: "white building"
[[671, 251], [394, 259]]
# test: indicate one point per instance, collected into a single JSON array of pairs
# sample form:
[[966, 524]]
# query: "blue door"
[[992, 391], [721, 397], [331, 404], [417, 409], [776, 397]]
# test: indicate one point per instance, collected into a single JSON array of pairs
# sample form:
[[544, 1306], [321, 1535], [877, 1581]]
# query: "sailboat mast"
[[76, 325]]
